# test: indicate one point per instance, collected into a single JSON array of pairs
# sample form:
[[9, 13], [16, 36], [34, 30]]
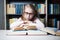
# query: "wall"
[[2, 14]]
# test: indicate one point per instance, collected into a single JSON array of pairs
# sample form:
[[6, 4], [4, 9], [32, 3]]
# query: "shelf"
[[54, 1], [42, 15], [16, 15], [12, 16], [54, 16], [33, 1]]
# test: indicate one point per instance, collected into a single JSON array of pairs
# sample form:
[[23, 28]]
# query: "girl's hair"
[[34, 11]]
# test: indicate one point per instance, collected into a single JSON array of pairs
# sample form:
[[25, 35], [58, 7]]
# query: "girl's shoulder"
[[20, 19], [36, 18]]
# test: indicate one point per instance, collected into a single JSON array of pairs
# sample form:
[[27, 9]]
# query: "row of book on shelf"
[[17, 8], [54, 8], [54, 23]]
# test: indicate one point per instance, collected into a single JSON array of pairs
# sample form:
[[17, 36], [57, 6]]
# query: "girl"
[[28, 20]]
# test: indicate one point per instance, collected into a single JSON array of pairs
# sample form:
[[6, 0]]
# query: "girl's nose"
[[29, 16]]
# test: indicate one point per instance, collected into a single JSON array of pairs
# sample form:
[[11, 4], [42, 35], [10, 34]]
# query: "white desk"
[[3, 36]]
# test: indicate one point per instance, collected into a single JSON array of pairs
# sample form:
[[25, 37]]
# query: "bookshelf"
[[51, 17], [53, 13], [13, 15]]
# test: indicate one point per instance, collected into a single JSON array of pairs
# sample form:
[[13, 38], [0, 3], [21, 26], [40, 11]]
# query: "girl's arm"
[[39, 24], [15, 24]]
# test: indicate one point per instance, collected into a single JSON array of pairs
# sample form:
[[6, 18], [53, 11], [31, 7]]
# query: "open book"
[[53, 31], [58, 33], [29, 32]]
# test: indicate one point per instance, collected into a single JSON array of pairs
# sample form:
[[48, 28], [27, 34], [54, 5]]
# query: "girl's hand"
[[19, 28]]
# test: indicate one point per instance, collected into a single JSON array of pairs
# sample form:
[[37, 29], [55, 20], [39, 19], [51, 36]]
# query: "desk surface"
[[3, 36]]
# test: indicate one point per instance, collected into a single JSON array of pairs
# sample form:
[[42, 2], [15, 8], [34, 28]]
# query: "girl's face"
[[28, 13]]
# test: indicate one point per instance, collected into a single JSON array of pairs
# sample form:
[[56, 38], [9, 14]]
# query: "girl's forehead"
[[29, 10], [27, 5]]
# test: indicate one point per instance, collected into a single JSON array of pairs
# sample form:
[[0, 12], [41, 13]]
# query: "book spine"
[[55, 23], [56, 8], [58, 25], [52, 23], [51, 8], [39, 8], [59, 9], [42, 8]]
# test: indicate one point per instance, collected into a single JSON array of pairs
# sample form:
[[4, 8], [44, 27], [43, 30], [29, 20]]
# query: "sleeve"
[[15, 24], [39, 24]]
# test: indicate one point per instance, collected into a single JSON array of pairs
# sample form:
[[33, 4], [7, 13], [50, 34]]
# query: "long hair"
[[34, 11]]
